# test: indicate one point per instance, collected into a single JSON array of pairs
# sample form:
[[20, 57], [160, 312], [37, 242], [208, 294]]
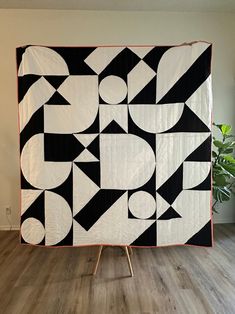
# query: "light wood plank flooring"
[[167, 280]]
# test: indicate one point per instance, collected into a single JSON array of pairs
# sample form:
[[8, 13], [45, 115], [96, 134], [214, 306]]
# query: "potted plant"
[[223, 165]]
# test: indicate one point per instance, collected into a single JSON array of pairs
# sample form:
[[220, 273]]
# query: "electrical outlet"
[[8, 210]]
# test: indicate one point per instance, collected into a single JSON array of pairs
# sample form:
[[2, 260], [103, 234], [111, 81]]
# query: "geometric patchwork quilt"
[[115, 145]]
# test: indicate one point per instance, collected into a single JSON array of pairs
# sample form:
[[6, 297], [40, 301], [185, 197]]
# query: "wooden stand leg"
[[127, 250], [129, 261], [130, 250], [98, 259]]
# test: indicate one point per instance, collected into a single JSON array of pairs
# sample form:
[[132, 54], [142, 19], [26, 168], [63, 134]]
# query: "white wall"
[[20, 27]]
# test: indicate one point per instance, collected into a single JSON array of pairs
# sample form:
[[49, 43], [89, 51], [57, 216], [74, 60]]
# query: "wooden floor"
[[167, 280]]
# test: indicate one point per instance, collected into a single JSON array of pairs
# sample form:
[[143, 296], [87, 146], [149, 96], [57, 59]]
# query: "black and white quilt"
[[115, 145]]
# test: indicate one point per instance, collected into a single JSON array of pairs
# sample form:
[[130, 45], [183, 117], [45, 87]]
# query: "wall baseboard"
[[221, 220], [8, 227]]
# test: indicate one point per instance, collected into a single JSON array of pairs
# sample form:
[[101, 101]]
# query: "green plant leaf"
[[218, 144], [227, 151], [224, 146], [217, 194], [217, 173], [223, 165], [228, 189], [218, 126], [225, 129], [229, 168], [230, 144], [221, 194], [220, 180], [229, 158], [214, 154], [217, 169]]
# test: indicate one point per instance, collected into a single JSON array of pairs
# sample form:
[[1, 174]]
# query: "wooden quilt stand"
[[128, 252]]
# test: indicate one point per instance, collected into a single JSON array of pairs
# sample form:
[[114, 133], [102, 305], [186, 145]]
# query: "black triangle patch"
[[113, 127], [147, 95], [188, 122], [91, 169], [202, 152], [55, 80], [24, 83], [34, 126], [36, 209], [170, 213], [203, 237], [148, 237], [57, 99], [173, 186], [154, 56], [94, 147]]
